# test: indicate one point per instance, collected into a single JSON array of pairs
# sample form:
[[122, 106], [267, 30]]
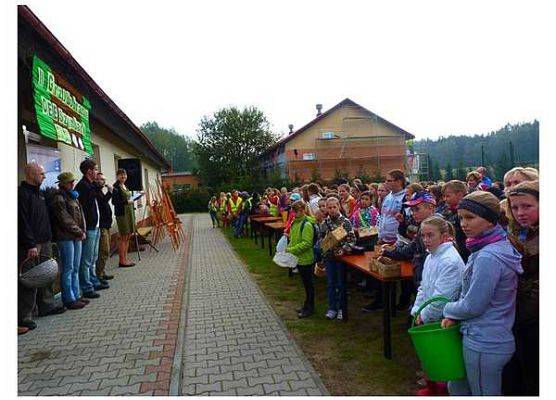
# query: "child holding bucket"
[[486, 307], [442, 270], [442, 274]]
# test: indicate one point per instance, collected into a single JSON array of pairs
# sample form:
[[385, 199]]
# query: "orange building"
[[346, 140], [180, 180]]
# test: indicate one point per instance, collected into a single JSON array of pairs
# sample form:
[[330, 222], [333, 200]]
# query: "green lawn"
[[347, 355]]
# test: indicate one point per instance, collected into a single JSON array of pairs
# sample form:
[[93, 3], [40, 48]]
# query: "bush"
[[193, 200]]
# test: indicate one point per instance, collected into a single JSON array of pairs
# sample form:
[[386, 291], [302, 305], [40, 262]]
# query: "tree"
[[435, 173], [229, 142], [449, 173], [176, 148], [315, 175]]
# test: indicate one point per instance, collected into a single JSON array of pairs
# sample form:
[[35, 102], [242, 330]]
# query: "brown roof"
[[182, 173], [345, 102], [26, 13]]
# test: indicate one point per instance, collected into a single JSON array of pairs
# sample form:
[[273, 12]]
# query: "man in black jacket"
[[88, 280], [34, 236], [105, 224]]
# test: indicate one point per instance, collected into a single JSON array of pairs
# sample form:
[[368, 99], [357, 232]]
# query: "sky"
[[432, 68]]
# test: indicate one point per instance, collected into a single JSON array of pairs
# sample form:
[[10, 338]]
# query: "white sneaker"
[[295, 270], [330, 314], [340, 315]]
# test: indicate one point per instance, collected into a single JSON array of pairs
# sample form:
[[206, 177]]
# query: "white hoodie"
[[442, 275]]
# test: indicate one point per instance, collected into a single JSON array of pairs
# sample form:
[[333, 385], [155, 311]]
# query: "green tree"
[[435, 172], [315, 175], [502, 165], [449, 172], [228, 143], [176, 148]]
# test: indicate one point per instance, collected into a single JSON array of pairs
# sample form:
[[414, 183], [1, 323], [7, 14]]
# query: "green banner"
[[60, 114]]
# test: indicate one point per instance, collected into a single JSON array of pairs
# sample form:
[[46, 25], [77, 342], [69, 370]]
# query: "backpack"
[[317, 252]]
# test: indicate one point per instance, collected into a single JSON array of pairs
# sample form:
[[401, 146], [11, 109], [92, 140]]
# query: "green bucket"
[[439, 349]]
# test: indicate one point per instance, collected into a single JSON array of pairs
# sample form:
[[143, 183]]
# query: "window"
[[309, 156], [328, 135]]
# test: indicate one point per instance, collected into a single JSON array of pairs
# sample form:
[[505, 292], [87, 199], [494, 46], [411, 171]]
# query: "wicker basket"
[[38, 272]]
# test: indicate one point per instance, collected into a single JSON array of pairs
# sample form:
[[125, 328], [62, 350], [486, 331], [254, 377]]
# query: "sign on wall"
[[62, 112], [50, 159]]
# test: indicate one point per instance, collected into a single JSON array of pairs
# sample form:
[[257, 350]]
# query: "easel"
[[164, 217]]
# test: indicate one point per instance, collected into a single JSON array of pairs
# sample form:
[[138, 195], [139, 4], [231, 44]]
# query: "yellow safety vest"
[[235, 206]]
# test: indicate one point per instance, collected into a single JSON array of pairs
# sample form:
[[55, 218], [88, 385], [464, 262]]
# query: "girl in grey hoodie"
[[486, 307]]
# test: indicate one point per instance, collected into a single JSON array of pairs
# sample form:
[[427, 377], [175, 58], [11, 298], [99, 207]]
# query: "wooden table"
[[257, 223], [273, 228], [362, 263]]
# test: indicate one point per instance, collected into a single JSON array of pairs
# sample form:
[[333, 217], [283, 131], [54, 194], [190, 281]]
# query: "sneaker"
[[91, 295], [106, 277], [21, 330], [126, 265], [305, 313], [102, 286], [340, 315], [83, 300], [374, 306], [295, 270], [330, 314], [27, 323]]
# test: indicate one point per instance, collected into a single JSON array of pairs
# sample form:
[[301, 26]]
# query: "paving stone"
[[269, 388], [121, 381], [251, 391], [123, 390], [210, 387], [234, 384], [302, 384]]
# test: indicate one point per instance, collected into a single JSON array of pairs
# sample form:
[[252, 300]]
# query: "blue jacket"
[[388, 225], [486, 307], [441, 277]]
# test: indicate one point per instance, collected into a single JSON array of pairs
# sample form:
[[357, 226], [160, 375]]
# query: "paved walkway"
[[130, 340], [122, 343], [234, 342]]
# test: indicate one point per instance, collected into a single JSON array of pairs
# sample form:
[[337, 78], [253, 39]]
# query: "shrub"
[[192, 200]]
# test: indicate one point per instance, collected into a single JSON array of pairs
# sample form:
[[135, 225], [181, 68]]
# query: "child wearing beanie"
[[486, 306]]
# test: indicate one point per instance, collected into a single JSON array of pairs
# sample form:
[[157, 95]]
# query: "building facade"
[[65, 117], [347, 140], [174, 181]]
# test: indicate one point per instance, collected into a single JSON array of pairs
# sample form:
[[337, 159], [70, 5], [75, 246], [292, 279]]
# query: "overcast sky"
[[432, 68]]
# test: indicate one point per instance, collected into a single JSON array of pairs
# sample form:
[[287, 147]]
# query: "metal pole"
[[482, 155]]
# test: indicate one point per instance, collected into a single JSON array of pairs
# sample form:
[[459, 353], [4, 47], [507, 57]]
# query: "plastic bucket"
[[440, 350]]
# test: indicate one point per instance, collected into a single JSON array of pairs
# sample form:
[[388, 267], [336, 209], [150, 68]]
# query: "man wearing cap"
[[34, 237], [423, 205], [68, 230], [88, 280]]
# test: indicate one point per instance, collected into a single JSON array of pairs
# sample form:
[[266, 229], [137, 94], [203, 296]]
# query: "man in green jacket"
[[302, 232]]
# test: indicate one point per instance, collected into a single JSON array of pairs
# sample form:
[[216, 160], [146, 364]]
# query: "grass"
[[348, 356]]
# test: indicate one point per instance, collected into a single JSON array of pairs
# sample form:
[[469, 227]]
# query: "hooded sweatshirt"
[[486, 307], [441, 277]]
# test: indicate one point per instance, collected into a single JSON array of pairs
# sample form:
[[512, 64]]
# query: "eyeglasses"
[[390, 180]]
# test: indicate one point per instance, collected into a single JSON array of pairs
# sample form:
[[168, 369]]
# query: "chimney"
[[291, 129], [319, 109]]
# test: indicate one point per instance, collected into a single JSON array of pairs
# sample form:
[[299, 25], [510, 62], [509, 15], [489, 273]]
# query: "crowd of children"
[[473, 242]]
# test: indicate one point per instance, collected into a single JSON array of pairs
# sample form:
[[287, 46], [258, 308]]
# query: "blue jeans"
[[87, 275], [336, 285], [70, 257], [484, 374], [239, 223]]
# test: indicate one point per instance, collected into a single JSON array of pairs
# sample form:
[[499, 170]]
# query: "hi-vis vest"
[[235, 206], [223, 205]]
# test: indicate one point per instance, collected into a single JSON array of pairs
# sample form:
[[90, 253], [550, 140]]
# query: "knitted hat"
[[483, 204], [65, 177], [421, 197]]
